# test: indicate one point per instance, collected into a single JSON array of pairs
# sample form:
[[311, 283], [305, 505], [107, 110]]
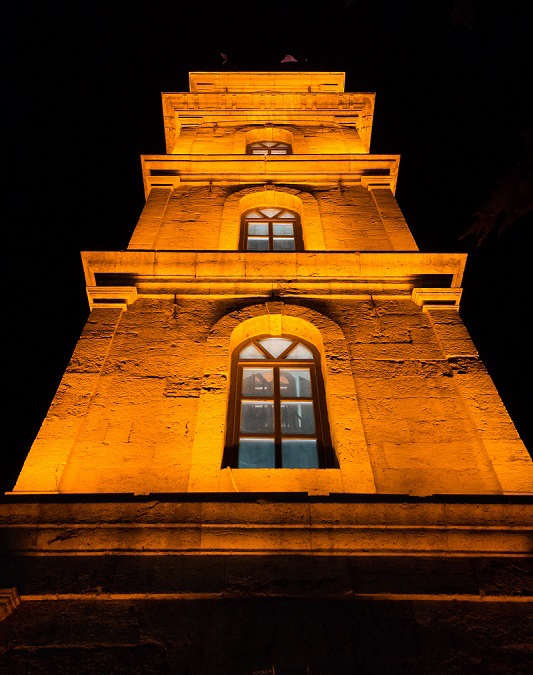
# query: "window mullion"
[[277, 418], [237, 417], [317, 405]]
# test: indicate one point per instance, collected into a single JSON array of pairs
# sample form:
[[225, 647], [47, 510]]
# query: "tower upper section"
[[291, 141], [232, 104]]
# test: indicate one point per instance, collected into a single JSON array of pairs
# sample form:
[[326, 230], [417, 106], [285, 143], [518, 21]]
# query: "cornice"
[[221, 101], [114, 279], [266, 80], [368, 170]]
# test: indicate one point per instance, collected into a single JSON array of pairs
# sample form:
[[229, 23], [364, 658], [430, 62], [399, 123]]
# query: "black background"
[[82, 102]]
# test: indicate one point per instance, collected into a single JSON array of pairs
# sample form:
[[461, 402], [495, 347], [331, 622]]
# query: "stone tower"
[[275, 432]]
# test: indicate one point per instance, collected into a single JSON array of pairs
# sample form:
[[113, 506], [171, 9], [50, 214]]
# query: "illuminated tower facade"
[[274, 403]]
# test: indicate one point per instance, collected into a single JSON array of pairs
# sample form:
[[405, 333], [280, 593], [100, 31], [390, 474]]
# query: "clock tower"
[[275, 447]]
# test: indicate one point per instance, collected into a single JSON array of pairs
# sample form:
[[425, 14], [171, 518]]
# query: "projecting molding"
[[437, 298], [368, 170], [306, 270], [111, 297], [267, 526]]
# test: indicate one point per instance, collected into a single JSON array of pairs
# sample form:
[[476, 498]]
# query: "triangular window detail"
[[275, 346], [251, 352], [300, 352]]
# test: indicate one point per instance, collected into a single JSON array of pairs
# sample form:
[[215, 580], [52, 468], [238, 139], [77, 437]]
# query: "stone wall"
[[142, 406], [349, 218]]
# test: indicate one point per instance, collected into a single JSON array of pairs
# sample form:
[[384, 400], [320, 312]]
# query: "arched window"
[[277, 413], [271, 229], [268, 148]]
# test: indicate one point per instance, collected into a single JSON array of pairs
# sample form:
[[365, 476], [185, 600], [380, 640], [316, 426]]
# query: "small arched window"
[[268, 148], [271, 229], [277, 412]]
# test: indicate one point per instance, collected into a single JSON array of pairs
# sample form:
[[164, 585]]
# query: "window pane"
[[295, 383], [285, 214], [286, 229], [258, 382], [251, 352], [256, 453], [270, 213], [269, 144], [284, 244], [299, 454], [260, 152], [278, 151], [300, 352], [275, 345], [258, 243], [257, 417], [258, 228], [254, 214], [297, 417]]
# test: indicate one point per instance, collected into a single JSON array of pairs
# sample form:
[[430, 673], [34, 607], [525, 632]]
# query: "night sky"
[[82, 102]]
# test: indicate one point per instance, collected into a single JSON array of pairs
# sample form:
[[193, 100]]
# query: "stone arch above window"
[[277, 319], [252, 133], [302, 203], [268, 141]]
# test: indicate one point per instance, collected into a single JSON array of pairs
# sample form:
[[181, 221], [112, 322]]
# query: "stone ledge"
[[267, 527]]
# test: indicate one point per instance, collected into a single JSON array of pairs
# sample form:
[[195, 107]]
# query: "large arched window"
[[268, 148], [277, 412], [271, 229]]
